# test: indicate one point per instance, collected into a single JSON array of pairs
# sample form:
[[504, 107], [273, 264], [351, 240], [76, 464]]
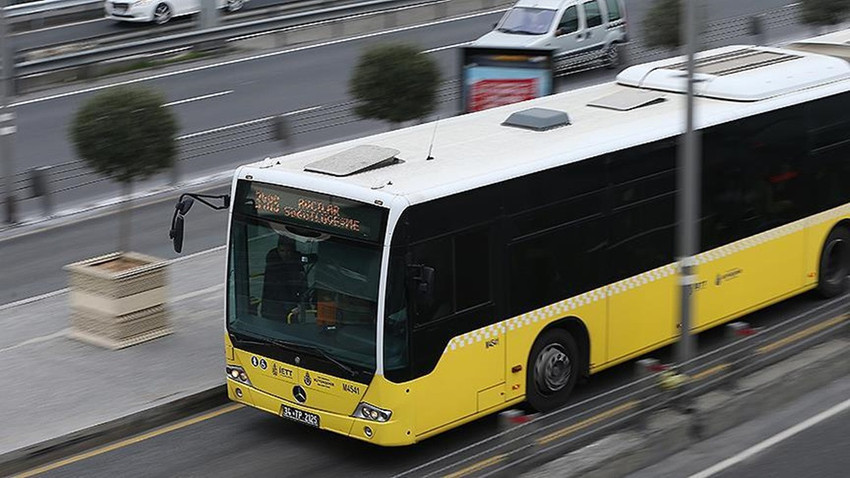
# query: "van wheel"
[[834, 263], [612, 56], [553, 369]]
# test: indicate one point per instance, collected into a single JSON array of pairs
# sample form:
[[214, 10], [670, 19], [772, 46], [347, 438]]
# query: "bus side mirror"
[[421, 284], [184, 205], [176, 233]]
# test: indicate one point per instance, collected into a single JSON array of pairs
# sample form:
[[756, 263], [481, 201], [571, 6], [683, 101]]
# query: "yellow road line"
[[130, 441], [588, 422], [801, 334], [477, 466], [710, 371]]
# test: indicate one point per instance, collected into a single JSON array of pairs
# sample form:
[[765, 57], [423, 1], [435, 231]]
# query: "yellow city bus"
[[396, 286]]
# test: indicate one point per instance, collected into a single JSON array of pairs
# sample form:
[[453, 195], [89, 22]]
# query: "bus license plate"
[[299, 416]]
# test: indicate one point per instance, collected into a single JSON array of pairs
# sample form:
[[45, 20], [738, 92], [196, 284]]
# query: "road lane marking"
[[131, 441], [36, 298], [252, 58], [441, 48], [588, 422], [37, 340], [198, 98], [244, 123], [779, 437], [477, 466], [801, 334], [710, 371]]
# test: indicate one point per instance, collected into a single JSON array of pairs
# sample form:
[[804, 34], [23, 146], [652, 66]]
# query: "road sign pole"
[[688, 195]]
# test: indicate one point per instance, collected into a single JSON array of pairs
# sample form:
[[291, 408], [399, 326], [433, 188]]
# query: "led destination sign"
[[315, 211]]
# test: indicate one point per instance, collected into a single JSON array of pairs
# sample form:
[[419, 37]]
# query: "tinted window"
[[438, 254], [613, 9], [592, 14], [642, 221], [569, 21], [829, 127], [472, 268], [556, 265], [754, 176]]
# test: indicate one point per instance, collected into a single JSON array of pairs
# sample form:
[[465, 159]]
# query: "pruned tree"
[[395, 83], [822, 13], [125, 134]]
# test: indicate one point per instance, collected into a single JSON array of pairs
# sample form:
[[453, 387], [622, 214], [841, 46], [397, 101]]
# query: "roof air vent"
[[355, 160], [538, 119]]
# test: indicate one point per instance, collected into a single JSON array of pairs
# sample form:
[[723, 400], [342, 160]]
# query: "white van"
[[578, 30], [160, 11]]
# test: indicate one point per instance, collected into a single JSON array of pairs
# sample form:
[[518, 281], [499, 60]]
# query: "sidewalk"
[[56, 385]]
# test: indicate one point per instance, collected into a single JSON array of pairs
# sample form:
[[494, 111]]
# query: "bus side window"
[[437, 254], [461, 265], [829, 135]]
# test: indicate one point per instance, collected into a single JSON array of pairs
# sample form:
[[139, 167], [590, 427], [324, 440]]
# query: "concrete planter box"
[[118, 300]]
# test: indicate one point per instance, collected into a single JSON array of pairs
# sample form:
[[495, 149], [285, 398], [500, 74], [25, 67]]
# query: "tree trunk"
[[126, 225]]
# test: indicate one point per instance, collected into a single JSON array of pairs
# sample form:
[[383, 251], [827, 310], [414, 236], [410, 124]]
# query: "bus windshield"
[[311, 287]]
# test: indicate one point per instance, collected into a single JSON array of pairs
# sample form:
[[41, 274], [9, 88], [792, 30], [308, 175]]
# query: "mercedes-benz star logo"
[[299, 393]]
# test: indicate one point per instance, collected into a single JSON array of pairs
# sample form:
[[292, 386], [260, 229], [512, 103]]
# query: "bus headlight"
[[235, 372], [372, 413]]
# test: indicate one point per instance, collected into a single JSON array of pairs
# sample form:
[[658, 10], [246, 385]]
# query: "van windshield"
[[527, 21]]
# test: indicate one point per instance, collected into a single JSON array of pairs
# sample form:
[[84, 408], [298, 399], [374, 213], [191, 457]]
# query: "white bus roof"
[[475, 150]]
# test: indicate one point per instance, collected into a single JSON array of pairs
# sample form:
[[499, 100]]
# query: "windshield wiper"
[[316, 351], [310, 349], [519, 32]]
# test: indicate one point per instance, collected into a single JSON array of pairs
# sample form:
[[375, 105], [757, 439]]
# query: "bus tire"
[[553, 369], [834, 265]]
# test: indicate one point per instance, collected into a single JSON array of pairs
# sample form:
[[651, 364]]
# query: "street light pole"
[[7, 122], [688, 194]]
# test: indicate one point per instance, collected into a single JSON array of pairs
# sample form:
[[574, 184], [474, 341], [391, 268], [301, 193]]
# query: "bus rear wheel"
[[834, 263], [553, 369]]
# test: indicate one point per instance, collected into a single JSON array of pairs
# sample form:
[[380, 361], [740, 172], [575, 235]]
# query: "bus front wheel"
[[834, 263], [553, 369]]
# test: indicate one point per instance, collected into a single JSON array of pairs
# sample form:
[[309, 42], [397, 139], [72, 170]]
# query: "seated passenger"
[[284, 281]]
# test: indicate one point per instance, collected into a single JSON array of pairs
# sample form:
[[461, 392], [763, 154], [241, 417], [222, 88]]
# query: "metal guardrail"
[[210, 36], [49, 7]]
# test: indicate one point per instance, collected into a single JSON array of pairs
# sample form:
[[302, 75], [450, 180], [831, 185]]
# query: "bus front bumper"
[[380, 433]]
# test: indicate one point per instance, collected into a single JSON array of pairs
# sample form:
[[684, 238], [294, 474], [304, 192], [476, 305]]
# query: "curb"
[[668, 432], [82, 440]]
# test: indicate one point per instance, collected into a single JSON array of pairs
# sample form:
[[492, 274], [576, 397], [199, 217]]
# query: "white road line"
[[198, 98], [244, 123], [64, 25], [36, 298], [788, 433], [441, 48], [196, 293], [36, 340], [251, 58]]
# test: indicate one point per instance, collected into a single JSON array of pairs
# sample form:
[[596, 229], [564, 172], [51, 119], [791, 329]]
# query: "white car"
[[160, 11]]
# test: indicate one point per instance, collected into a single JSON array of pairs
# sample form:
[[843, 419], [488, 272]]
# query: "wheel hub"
[[552, 369]]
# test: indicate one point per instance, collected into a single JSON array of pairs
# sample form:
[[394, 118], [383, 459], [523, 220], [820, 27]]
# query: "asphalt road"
[[248, 442], [766, 446], [76, 31], [259, 87]]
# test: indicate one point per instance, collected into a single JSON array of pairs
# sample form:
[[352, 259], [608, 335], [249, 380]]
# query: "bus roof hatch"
[[354, 160]]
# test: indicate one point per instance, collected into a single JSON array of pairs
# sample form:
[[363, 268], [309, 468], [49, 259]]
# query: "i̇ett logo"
[[307, 379]]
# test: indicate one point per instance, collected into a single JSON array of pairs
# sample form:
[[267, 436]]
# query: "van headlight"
[[372, 413]]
